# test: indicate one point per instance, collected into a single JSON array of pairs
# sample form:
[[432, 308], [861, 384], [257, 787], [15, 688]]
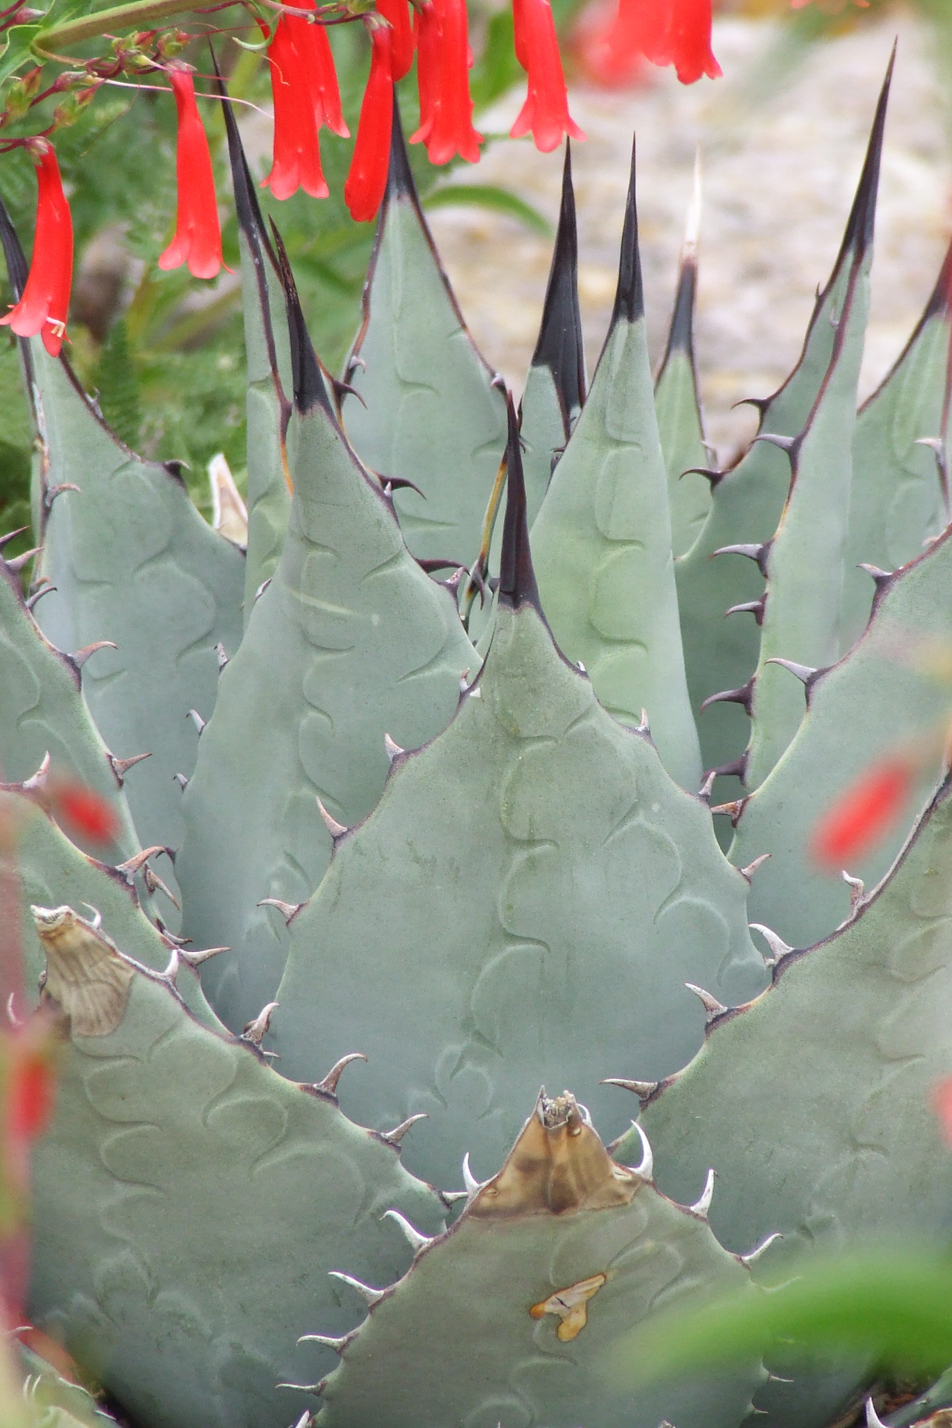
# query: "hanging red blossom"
[[689, 41], [197, 240], [296, 155], [546, 110], [402, 35], [446, 109], [367, 178], [323, 76], [665, 32], [44, 304], [864, 813]]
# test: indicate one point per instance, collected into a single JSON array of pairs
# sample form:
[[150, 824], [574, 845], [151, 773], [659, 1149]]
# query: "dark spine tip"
[[17, 266], [517, 583], [681, 332], [248, 210], [400, 182], [862, 220], [559, 346], [309, 386], [629, 297], [941, 299]]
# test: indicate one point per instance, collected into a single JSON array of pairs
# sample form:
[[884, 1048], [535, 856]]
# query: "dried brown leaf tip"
[[557, 1166], [86, 975]]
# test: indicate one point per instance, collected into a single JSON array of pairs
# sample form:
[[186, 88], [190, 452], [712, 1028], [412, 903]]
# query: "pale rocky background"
[[781, 155]]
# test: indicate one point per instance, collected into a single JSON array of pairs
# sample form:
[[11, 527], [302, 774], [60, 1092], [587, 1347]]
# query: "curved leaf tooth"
[[531, 789], [169, 1287], [830, 1074], [885, 694], [351, 640], [43, 716], [602, 539], [800, 616], [748, 501], [268, 356], [508, 1317], [426, 407], [896, 502], [53, 1400], [132, 561], [677, 401]]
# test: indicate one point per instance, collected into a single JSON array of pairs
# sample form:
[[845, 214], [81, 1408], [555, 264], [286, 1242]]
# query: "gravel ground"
[[779, 173]]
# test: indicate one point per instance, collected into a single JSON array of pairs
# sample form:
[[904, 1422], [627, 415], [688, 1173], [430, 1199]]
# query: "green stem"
[[137, 16]]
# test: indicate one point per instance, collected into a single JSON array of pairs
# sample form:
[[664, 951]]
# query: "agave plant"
[[460, 829]]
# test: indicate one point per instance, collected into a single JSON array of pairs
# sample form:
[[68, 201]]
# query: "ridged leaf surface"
[[474, 1334], [42, 711], [426, 411], [748, 501], [188, 1205], [524, 905], [883, 697], [349, 642]]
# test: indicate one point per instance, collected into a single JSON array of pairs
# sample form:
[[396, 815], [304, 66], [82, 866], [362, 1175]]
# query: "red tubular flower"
[[367, 178], [197, 240], [44, 304], [546, 110], [402, 38], [296, 161], [864, 813], [323, 77], [689, 43], [674, 32], [446, 109]]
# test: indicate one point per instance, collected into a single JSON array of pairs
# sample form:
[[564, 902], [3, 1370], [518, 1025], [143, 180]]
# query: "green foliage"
[[892, 1303]]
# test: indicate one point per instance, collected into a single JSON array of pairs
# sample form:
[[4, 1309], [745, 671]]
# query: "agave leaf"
[[479, 975], [551, 400], [895, 499], [506, 1319], [800, 616], [54, 1401], [268, 358], [843, 1053], [428, 408], [42, 711], [602, 539], [888, 693], [748, 501], [50, 870], [189, 1202], [678, 405], [131, 561], [350, 642]]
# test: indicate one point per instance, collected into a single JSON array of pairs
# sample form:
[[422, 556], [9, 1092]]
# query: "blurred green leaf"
[[488, 195], [888, 1303]]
